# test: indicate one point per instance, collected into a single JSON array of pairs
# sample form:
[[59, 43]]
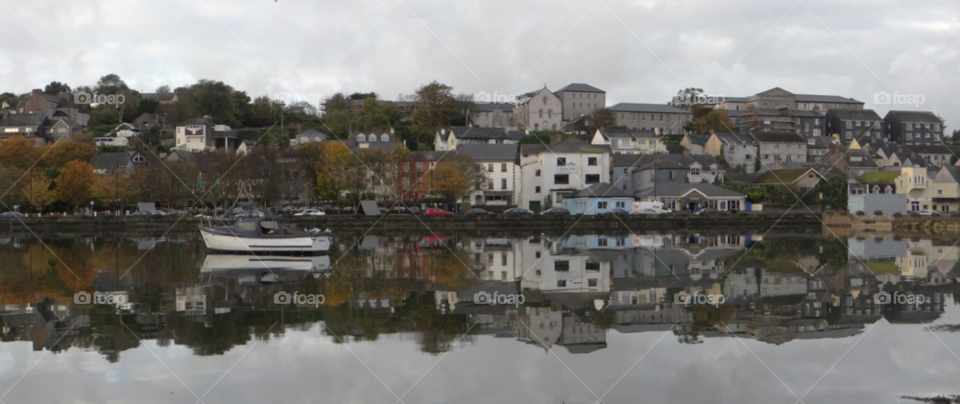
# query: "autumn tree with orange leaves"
[[76, 183]]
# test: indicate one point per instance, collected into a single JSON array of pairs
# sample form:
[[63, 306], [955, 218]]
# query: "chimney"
[[391, 130], [36, 92], [207, 120]]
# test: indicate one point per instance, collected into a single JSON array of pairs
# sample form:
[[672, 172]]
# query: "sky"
[[637, 51]]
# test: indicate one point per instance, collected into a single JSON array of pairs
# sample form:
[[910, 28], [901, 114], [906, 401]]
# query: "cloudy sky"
[[638, 51]]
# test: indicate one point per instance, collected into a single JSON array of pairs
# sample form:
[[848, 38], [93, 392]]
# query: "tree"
[[834, 190], [333, 178], [164, 89], [337, 102], [445, 181], [602, 118], [56, 88], [371, 117], [75, 184], [206, 97], [110, 188], [338, 123], [436, 107], [10, 185], [110, 84], [37, 192], [687, 98], [18, 152], [64, 151], [712, 121]]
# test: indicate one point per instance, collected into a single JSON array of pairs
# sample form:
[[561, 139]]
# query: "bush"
[[914, 214], [860, 213], [830, 213], [878, 212], [844, 213], [955, 214], [897, 214]]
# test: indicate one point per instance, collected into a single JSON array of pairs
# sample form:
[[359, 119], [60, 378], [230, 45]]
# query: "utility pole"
[[116, 173]]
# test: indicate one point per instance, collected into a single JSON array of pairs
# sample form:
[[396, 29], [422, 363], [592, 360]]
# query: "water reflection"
[[542, 291]]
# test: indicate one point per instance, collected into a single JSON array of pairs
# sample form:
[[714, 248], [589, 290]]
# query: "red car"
[[437, 212]]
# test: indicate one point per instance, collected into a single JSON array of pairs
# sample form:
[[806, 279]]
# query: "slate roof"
[[678, 160], [490, 106], [475, 132], [600, 190], [23, 119], [311, 132], [916, 116], [819, 142], [106, 161], [580, 88], [834, 99], [489, 152], [624, 133], [677, 189], [698, 139], [655, 108], [784, 176], [734, 138], [855, 114], [806, 114], [568, 145], [192, 121], [675, 149], [778, 137], [927, 149]]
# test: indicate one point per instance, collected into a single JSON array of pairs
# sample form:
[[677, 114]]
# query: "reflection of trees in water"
[[705, 318]]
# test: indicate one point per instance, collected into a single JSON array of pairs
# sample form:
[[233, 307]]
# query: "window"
[[592, 282], [361, 138], [561, 161], [601, 205], [538, 256], [489, 168], [561, 266], [591, 161], [536, 173], [503, 167], [503, 183], [671, 175], [621, 205], [536, 190], [561, 283], [694, 170], [561, 179], [939, 192], [592, 178]]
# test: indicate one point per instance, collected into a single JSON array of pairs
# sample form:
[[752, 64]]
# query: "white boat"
[[264, 235], [234, 262]]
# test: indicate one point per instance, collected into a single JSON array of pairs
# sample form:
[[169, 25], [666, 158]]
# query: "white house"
[[451, 138], [550, 172], [111, 139], [127, 130], [629, 141], [200, 134], [539, 110], [503, 174]]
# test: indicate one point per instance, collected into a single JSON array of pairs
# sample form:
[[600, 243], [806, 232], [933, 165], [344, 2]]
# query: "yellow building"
[[930, 188]]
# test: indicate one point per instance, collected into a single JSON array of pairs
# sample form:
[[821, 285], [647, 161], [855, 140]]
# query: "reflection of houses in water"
[[48, 325], [581, 337], [192, 301], [892, 259], [497, 255], [540, 326]]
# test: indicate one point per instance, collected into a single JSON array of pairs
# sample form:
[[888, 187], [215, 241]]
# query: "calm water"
[[387, 319]]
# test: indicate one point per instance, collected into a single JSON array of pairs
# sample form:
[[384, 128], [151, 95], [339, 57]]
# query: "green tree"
[[603, 118], [38, 191], [436, 108], [56, 87], [834, 191], [337, 102], [371, 117]]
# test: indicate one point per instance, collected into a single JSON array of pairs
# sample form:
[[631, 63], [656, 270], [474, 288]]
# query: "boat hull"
[[319, 243]]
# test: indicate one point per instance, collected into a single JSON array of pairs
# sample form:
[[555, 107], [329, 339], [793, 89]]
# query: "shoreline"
[[436, 225]]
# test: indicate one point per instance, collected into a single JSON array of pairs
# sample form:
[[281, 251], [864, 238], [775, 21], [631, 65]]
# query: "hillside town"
[[543, 149]]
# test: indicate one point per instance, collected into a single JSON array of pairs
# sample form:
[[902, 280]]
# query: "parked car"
[[615, 212], [142, 213], [310, 212], [708, 211], [928, 212], [555, 211], [10, 214], [518, 211], [178, 212], [478, 211], [437, 212], [651, 211]]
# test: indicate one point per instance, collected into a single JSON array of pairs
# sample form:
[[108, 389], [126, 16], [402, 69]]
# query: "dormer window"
[[361, 138], [373, 138], [384, 138]]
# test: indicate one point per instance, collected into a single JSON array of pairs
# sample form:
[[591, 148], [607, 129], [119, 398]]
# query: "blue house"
[[596, 199]]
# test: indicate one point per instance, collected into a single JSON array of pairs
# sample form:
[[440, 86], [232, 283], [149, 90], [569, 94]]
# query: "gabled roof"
[[568, 145], [106, 161], [192, 121], [476, 132], [734, 138], [23, 119], [489, 152], [778, 137], [855, 114], [677, 189], [775, 91], [819, 142], [786, 176], [915, 116], [654, 108], [697, 139], [600, 190], [628, 134], [312, 132], [580, 88], [663, 160]]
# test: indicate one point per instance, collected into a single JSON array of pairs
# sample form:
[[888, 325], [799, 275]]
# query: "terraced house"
[[551, 172], [629, 141], [659, 118], [580, 99], [782, 146]]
